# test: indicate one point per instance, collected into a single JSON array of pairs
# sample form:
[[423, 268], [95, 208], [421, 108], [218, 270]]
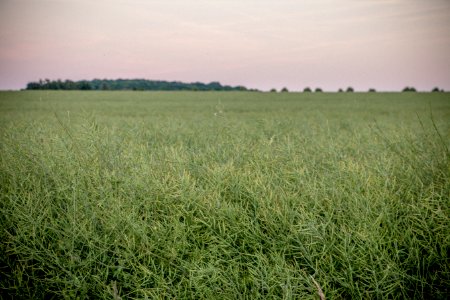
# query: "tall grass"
[[224, 195]]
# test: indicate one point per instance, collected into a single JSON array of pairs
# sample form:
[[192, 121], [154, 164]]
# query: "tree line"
[[160, 85], [351, 90], [131, 84]]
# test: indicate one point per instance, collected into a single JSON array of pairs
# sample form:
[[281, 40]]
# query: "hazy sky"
[[385, 44]]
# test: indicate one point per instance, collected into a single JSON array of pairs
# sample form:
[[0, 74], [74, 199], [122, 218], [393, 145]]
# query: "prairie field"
[[224, 195]]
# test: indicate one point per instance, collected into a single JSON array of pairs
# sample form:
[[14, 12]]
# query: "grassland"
[[224, 195]]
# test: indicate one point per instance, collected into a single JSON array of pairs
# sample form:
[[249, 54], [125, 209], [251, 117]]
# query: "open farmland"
[[229, 195]]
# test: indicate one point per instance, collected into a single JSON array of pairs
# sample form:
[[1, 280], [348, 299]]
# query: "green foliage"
[[371, 90], [409, 89], [350, 90], [224, 195], [130, 84], [318, 90], [284, 90], [307, 90], [436, 89]]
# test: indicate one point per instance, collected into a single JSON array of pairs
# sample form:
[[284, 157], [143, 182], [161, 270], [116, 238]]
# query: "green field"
[[226, 195]]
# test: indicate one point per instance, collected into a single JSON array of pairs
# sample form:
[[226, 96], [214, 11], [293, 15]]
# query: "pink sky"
[[384, 44]]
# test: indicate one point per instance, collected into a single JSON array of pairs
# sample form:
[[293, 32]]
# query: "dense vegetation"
[[224, 195], [130, 84], [158, 85]]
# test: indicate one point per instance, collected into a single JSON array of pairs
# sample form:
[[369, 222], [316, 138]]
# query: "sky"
[[263, 44]]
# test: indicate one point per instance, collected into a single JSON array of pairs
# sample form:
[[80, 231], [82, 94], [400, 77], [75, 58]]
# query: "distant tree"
[[307, 90], [409, 89], [56, 85], [69, 85], [273, 90], [340, 91], [33, 86], [318, 90], [85, 85], [350, 90], [104, 86], [215, 86], [372, 90], [284, 90], [436, 89]]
